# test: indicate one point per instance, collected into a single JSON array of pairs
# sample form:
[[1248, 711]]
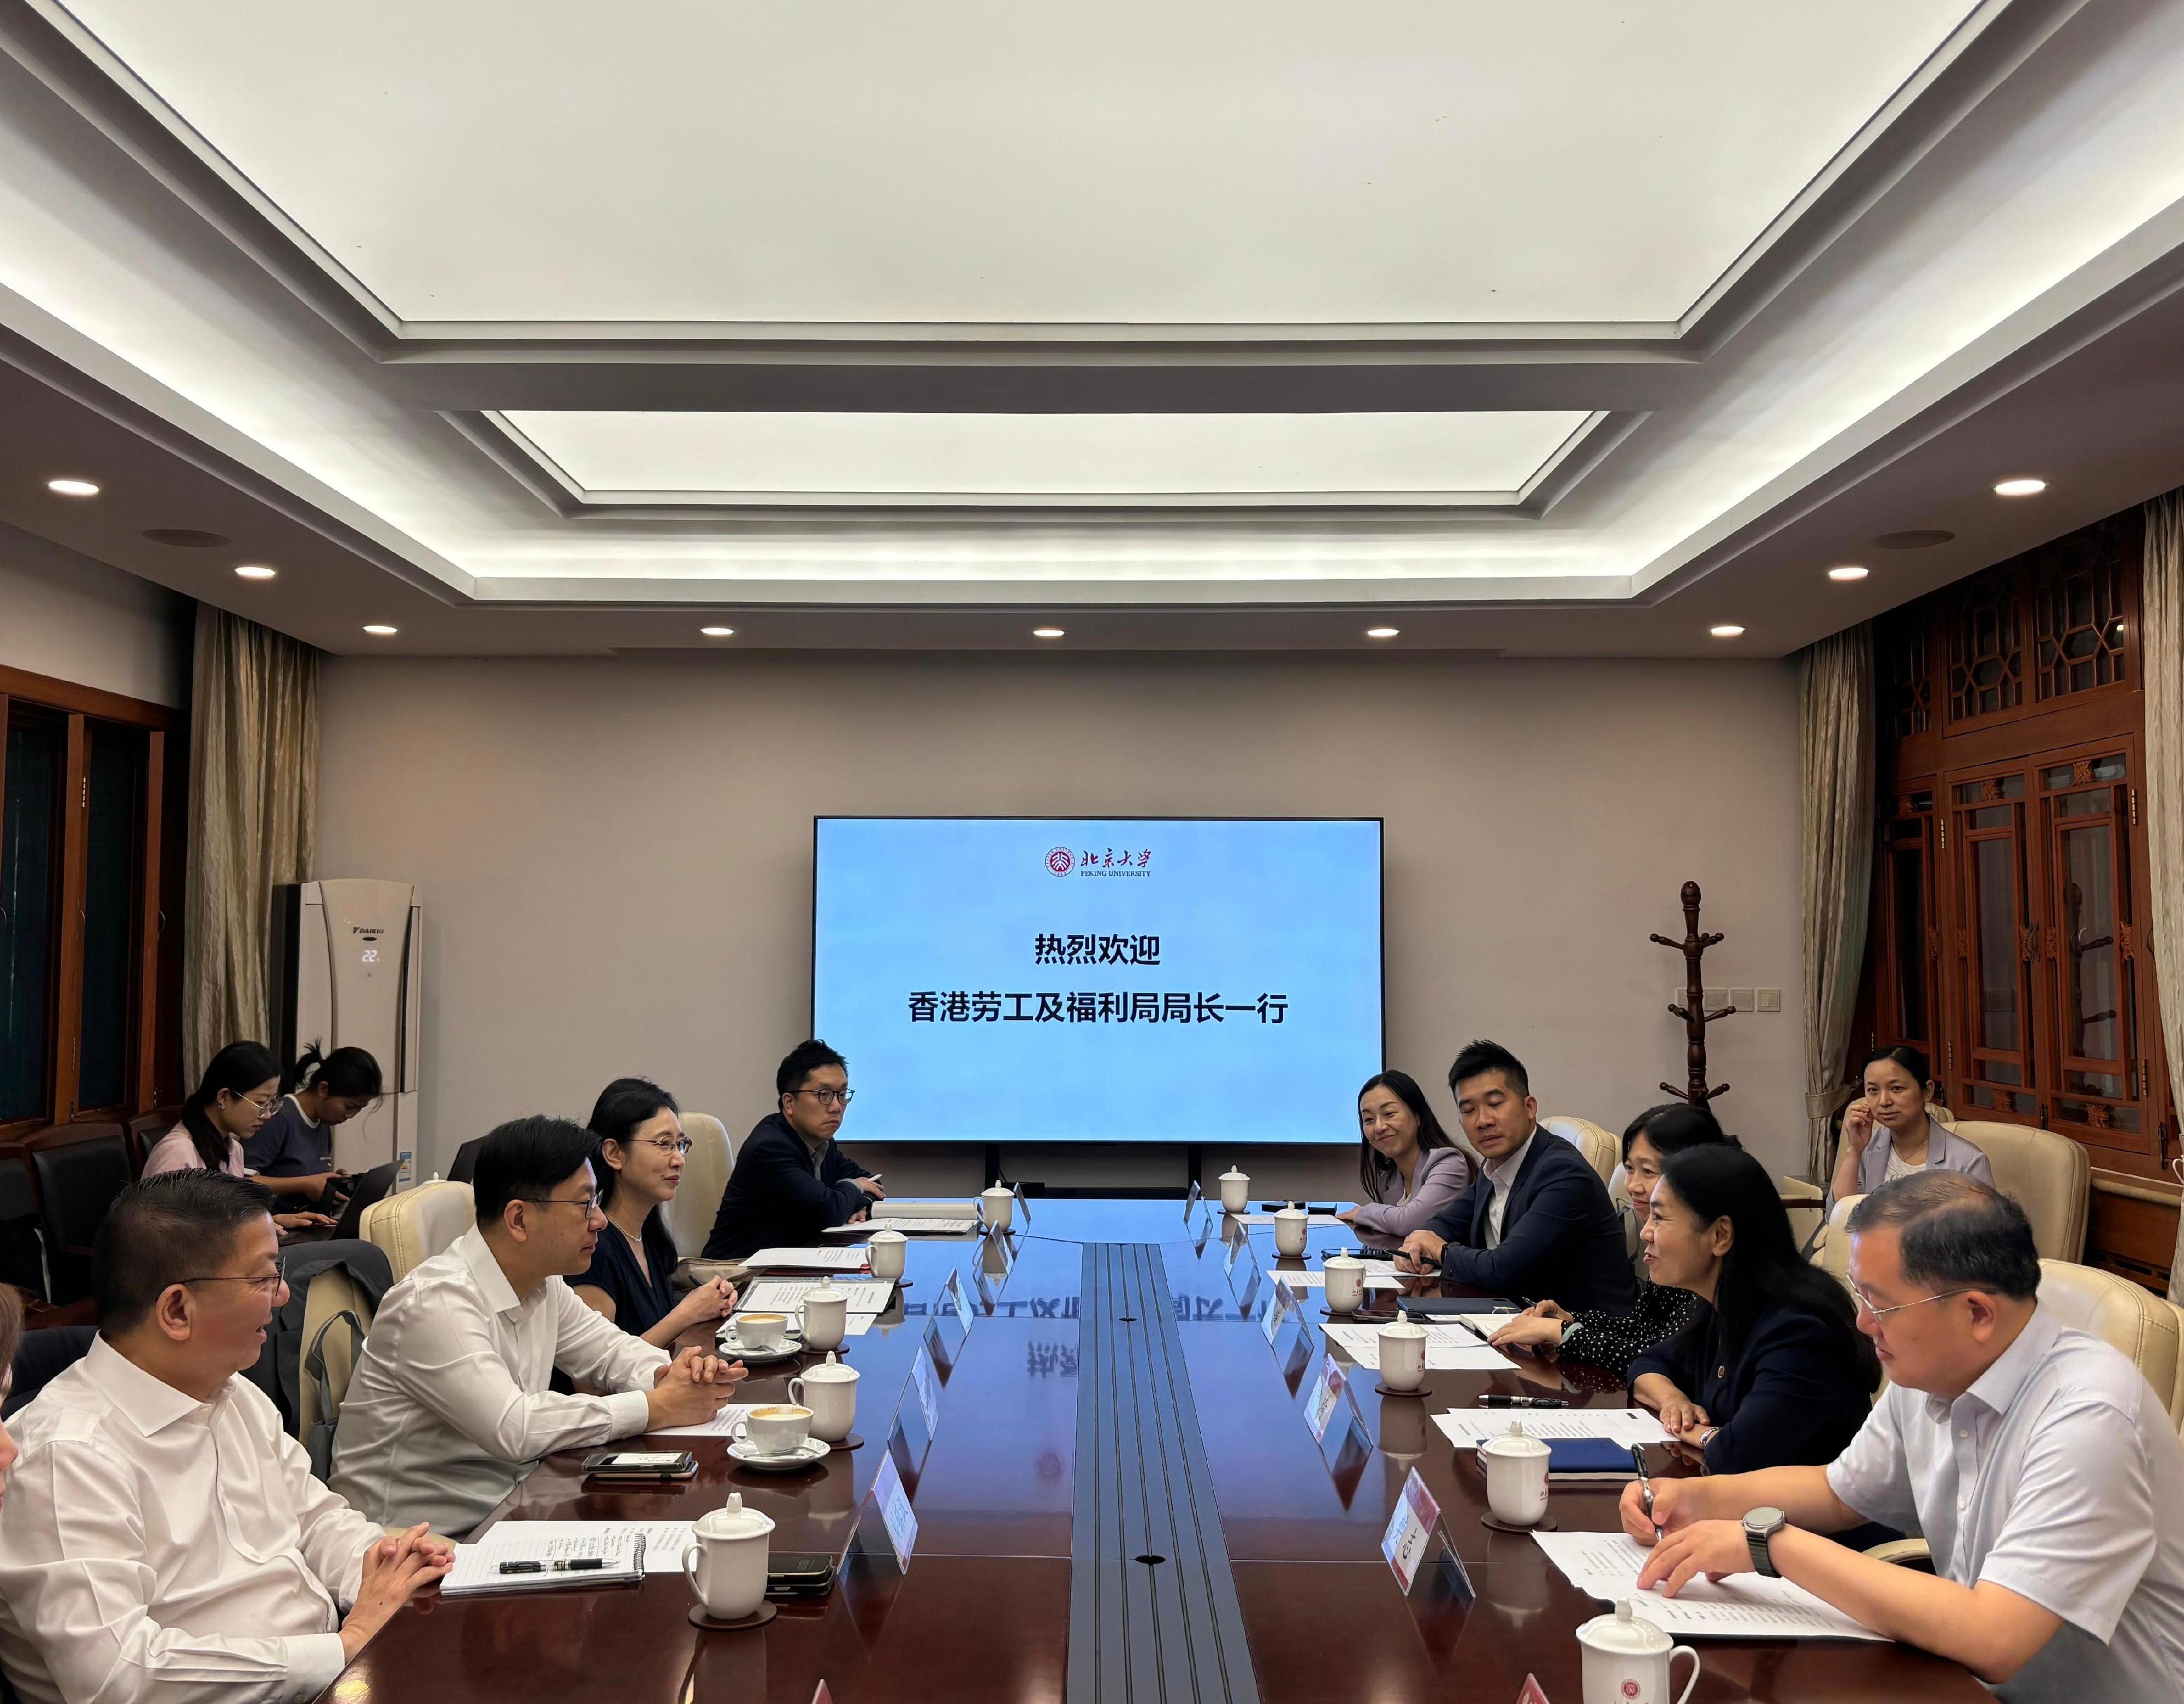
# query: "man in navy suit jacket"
[[790, 1181], [1536, 1222]]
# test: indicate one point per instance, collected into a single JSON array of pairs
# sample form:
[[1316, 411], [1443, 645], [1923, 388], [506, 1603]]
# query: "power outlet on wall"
[[1741, 998], [1770, 1000]]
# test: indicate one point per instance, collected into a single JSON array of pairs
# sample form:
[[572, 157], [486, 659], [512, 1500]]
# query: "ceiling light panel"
[[629, 456], [868, 163]]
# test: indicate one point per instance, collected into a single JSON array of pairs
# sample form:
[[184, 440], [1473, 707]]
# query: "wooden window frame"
[[152, 1077]]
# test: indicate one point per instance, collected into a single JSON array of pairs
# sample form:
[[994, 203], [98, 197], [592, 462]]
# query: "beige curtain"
[[1836, 721], [253, 814], [2161, 656]]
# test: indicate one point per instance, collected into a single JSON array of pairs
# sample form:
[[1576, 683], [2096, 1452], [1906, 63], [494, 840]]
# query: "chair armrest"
[[1905, 1553]]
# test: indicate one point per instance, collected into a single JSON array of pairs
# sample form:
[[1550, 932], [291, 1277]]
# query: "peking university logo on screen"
[[1123, 861]]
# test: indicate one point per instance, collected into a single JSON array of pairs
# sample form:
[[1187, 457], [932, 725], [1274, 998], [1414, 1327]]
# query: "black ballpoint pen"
[[1644, 1486]]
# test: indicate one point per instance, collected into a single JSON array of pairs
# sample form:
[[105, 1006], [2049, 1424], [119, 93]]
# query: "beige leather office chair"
[[2144, 1326], [705, 1171], [413, 1227], [331, 1346], [1804, 1221], [1602, 1148], [2049, 1176]]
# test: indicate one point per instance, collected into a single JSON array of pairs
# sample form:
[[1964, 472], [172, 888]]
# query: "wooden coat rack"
[[1693, 1011]]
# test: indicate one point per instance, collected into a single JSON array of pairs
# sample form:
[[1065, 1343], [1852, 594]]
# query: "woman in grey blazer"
[[1887, 1133], [1408, 1170]]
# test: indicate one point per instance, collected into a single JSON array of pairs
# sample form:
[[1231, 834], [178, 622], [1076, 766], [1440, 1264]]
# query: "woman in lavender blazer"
[[1407, 1169]]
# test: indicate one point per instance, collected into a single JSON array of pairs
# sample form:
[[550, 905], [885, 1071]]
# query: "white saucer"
[[809, 1454], [750, 1353]]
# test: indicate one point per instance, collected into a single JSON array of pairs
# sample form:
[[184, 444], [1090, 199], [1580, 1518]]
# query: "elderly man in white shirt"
[[162, 1538], [450, 1404], [2039, 1463]]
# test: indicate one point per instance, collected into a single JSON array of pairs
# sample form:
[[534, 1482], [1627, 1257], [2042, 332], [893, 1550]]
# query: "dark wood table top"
[[983, 1612]]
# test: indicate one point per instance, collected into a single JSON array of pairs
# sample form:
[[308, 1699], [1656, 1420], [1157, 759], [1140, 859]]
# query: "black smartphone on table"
[[798, 1573]]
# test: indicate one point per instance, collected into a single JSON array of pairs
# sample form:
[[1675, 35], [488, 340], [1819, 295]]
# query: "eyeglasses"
[[1865, 1302], [265, 1284], [262, 1106], [681, 1144], [828, 1097], [590, 1204]]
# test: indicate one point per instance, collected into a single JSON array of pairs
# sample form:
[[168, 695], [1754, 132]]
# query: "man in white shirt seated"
[[162, 1538], [2038, 1462], [450, 1404]]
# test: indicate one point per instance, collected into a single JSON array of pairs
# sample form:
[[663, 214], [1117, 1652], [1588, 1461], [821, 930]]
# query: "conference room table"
[[1121, 1497]]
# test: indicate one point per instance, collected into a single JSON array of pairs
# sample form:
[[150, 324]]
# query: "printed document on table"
[[827, 1260], [786, 1295], [1373, 1280], [719, 1426], [1269, 1219], [1469, 1427], [908, 1227], [621, 1546], [1449, 1349], [1744, 1605]]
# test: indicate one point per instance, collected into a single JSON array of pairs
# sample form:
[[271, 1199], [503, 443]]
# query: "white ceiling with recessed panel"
[[629, 454], [970, 161], [1568, 326]]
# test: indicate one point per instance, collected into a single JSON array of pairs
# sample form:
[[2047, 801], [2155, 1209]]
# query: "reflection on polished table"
[[986, 1609]]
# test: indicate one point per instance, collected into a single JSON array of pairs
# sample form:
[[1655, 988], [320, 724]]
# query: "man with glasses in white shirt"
[[162, 1538], [791, 1181], [2038, 1462], [450, 1405]]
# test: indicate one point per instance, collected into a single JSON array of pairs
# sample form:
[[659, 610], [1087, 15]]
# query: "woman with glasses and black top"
[[232, 1099], [639, 1167]]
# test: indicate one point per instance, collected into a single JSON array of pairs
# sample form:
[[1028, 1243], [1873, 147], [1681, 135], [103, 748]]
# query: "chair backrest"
[[332, 1292], [1804, 1221], [1832, 1251], [1602, 1148], [704, 1180], [414, 1226], [79, 1168], [144, 1131], [22, 1243], [2049, 1176], [2144, 1326], [43, 1356], [460, 1168]]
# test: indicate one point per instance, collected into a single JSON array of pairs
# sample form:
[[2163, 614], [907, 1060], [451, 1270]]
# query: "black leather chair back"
[[79, 1169]]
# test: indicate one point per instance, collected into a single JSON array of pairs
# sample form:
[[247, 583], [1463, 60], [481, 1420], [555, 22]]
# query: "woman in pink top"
[[234, 1097], [1408, 1170]]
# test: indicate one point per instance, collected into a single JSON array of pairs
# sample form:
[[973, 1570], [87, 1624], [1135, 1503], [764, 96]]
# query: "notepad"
[[1469, 1427], [1596, 1461], [1744, 1605], [721, 1425], [786, 1295], [620, 1545], [909, 1227]]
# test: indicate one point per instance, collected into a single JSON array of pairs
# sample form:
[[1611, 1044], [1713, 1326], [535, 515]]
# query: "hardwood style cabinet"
[[2010, 929]]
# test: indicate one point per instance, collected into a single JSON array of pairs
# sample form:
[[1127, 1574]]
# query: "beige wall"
[[615, 855], [75, 619]]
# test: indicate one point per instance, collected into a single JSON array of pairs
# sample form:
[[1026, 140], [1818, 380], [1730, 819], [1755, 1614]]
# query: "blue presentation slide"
[[1098, 980]]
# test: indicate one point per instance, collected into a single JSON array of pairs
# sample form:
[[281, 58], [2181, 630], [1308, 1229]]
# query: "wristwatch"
[[1759, 1526]]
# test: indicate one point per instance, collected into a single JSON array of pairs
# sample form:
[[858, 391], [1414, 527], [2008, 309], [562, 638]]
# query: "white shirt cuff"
[[629, 1410], [315, 1662]]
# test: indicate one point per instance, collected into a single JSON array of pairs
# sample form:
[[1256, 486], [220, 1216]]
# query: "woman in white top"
[[1407, 1168], [1888, 1133], [233, 1097]]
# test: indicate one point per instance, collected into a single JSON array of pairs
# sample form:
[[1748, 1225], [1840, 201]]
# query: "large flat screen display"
[[1057, 979]]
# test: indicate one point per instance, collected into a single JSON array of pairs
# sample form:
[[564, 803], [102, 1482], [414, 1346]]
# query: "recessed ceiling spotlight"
[[2020, 488], [718, 633], [256, 570], [1382, 632], [71, 487], [1727, 630], [1849, 570], [378, 630], [1046, 632]]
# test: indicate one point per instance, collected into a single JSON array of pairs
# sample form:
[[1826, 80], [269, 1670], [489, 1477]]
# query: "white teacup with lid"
[[727, 1559], [1290, 1224], [1000, 1203], [1403, 1355], [886, 1252], [1516, 1464], [1235, 1189], [826, 1316], [1346, 1283], [1629, 1660], [829, 1390]]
